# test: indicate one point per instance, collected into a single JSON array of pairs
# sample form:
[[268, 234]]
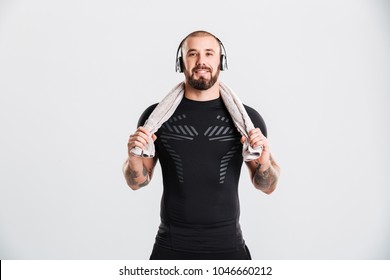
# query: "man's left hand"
[[256, 139]]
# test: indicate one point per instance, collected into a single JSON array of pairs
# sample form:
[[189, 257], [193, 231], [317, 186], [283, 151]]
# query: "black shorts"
[[162, 253]]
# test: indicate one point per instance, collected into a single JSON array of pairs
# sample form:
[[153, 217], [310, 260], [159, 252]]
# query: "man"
[[200, 155]]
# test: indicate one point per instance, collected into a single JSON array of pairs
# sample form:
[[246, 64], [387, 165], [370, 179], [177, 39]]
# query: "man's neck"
[[202, 95]]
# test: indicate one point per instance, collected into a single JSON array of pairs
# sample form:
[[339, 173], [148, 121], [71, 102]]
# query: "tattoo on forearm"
[[263, 179], [133, 175], [144, 183], [144, 171]]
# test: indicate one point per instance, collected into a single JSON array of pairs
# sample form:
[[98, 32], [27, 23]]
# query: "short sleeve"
[[145, 115], [257, 119]]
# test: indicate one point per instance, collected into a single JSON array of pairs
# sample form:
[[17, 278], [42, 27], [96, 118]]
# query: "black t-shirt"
[[200, 153]]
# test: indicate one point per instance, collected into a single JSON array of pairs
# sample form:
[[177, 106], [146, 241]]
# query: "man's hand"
[[139, 139], [256, 139]]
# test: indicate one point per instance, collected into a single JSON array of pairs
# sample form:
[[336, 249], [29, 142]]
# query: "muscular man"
[[199, 150]]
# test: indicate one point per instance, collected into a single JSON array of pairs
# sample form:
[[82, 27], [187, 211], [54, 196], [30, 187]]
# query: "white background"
[[75, 76]]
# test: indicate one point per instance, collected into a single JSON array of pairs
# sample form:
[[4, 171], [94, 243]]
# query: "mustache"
[[201, 68]]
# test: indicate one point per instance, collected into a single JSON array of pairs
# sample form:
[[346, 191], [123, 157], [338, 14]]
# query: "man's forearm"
[[265, 177], [136, 174], [265, 180]]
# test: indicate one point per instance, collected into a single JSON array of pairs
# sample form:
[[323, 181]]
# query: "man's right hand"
[[139, 139]]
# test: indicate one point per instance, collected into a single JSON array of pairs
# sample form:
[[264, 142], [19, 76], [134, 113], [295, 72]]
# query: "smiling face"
[[201, 57]]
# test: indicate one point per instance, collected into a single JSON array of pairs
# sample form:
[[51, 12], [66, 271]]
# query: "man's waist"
[[218, 237]]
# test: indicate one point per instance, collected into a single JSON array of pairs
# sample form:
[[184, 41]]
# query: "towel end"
[[137, 151], [249, 153]]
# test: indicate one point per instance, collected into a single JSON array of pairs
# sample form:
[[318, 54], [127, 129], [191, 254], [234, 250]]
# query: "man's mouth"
[[201, 70]]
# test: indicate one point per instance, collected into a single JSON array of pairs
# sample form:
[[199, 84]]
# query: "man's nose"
[[200, 60]]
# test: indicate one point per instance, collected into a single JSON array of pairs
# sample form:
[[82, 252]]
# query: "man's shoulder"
[[252, 113], [145, 115], [250, 110], [256, 118]]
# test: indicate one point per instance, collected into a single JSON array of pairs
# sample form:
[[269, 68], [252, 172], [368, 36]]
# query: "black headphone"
[[179, 59]]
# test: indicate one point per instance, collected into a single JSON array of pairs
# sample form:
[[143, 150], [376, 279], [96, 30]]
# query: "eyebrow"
[[195, 50]]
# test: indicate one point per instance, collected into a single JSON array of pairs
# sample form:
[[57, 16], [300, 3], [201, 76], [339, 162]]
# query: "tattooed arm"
[[264, 176], [263, 171], [138, 171]]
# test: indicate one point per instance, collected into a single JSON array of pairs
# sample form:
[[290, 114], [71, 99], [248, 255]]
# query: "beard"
[[201, 83]]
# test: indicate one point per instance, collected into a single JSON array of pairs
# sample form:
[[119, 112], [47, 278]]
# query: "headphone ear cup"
[[179, 65], [223, 64]]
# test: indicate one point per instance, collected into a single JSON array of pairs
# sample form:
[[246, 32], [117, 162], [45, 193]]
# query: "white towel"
[[165, 109]]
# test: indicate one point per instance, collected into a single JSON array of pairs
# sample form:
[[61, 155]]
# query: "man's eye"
[[192, 54], [209, 54]]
